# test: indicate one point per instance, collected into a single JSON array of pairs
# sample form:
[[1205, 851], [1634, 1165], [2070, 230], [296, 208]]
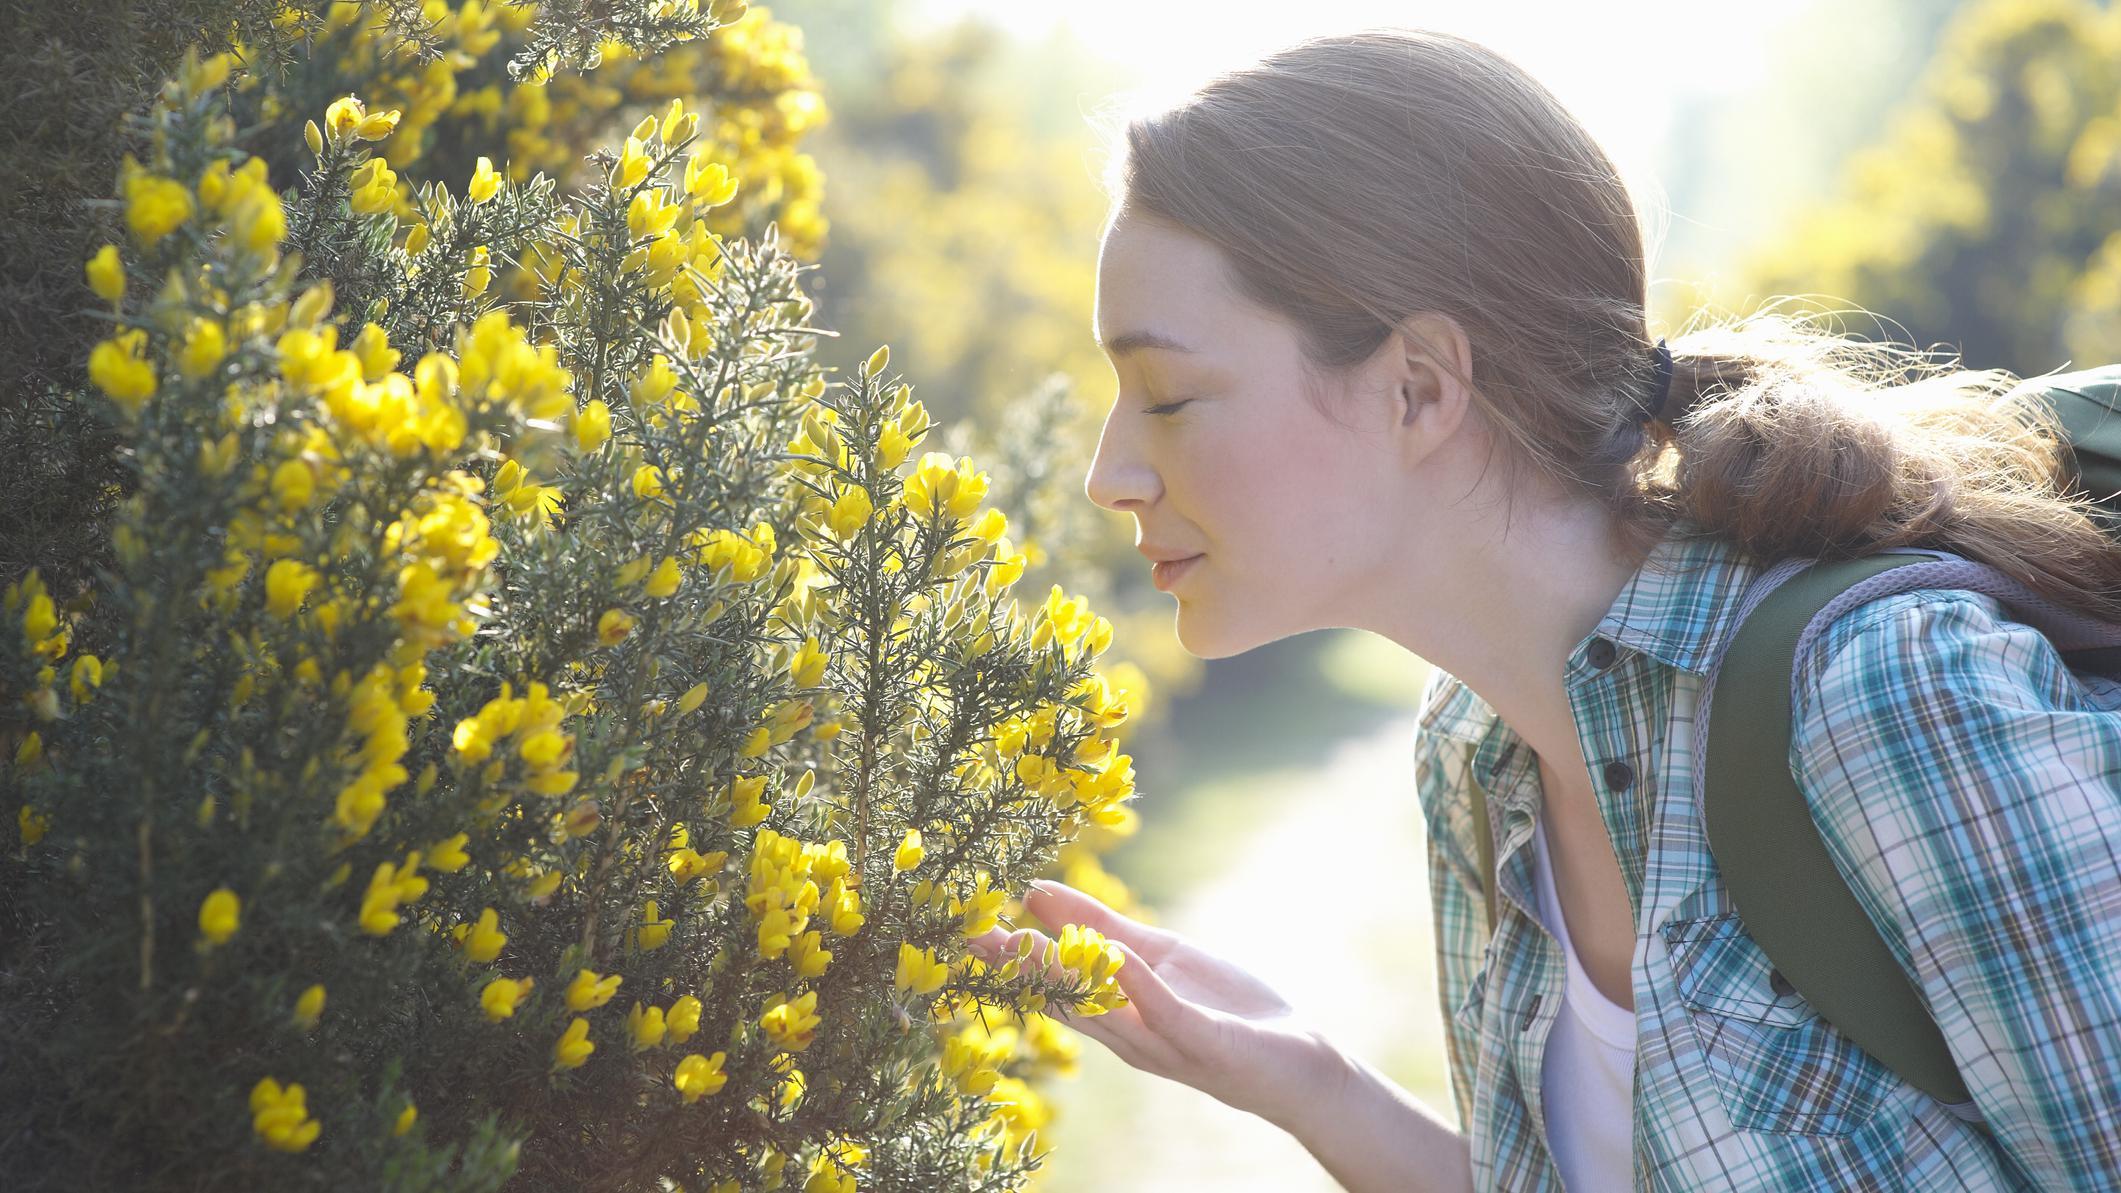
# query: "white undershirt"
[[1587, 1079]]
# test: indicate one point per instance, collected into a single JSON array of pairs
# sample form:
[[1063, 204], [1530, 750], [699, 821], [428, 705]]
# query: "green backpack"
[[1782, 881]]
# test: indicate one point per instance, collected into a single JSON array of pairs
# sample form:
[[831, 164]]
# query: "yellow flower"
[[649, 215], [592, 425], [543, 748], [747, 800], [33, 825], [654, 930], [943, 485], [683, 1020], [918, 970], [502, 996], [448, 855], [709, 183], [280, 1117], [613, 626], [106, 274], [204, 347], [698, 1076], [909, 852], [256, 221], [293, 484], [119, 368], [981, 911], [587, 991], [405, 1119], [850, 512], [808, 954], [155, 206], [687, 864], [648, 482], [478, 274], [891, 447], [310, 1007], [664, 580], [343, 116], [656, 384], [632, 165], [373, 187], [645, 1026], [807, 669], [218, 915], [694, 696], [846, 906], [484, 182], [388, 886], [484, 942], [573, 1047], [791, 1023], [377, 126], [377, 357], [287, 585]]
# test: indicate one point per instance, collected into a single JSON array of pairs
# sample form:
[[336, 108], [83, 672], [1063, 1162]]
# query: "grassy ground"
[[1280, 829]]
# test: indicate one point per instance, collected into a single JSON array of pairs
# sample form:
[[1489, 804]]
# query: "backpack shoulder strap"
[[2088, 403], [1782, 880]]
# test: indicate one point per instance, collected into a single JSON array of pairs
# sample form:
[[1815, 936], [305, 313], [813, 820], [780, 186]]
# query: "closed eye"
[[1167, 407]]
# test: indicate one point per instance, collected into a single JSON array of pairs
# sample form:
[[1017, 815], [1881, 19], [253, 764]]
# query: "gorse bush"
[[544, 734], [465, 76]]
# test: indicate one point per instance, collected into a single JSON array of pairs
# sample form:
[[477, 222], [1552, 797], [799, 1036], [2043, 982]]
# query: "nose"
[[1117, 481]]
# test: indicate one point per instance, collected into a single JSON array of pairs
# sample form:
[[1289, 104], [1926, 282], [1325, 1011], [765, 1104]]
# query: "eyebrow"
[[1135, 341]]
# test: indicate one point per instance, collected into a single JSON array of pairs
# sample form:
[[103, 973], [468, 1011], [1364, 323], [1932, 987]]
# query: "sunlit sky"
[[1625, 67], [1621, 65]]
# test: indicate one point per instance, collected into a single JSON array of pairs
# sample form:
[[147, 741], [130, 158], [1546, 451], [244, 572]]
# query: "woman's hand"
[[1191, 1016]]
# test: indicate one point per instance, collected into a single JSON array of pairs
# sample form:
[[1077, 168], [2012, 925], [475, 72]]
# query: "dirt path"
[[1328, 903]]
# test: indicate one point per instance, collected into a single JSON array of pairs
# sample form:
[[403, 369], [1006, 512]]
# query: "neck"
[[1503, 614]]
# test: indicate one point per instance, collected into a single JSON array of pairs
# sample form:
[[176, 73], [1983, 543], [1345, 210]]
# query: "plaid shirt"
[[1969, 786]]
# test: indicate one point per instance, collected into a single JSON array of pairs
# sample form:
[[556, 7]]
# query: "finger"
[[1161, 1010], [1057, 903], [1121, 1033], [999, 945], [1143, 1044]]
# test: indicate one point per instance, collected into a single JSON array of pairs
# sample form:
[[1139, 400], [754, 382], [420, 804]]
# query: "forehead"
[[1157, 284]]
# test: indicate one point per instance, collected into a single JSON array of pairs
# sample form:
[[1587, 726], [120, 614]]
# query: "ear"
[[1426, 356]]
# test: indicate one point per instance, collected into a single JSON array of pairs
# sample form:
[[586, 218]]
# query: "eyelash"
[[1167, 407]]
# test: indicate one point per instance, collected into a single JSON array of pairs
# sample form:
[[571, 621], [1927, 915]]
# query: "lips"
[[1167, 573]]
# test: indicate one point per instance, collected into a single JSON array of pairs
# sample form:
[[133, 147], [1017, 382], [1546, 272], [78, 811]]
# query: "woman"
[[1376, 305]]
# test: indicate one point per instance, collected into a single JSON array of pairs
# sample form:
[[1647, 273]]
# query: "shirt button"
[[1779, 984], [1619, 776], [1531, 1009], [1601, 653]]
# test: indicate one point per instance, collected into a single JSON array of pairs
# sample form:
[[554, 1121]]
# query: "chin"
[[1205, 642]]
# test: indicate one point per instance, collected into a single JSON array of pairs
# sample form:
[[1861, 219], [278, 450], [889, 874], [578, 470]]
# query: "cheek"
[[1290, 487]]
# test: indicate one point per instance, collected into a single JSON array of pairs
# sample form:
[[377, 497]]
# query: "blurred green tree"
[[1983, 217]]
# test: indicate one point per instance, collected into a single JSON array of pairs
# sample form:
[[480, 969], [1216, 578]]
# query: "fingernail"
[[1043, 887]]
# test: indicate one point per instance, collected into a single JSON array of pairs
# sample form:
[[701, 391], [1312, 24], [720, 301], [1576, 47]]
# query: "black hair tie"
[[1663, 389]]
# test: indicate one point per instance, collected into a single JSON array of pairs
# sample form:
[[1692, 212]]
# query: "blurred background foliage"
[[1985, 211]]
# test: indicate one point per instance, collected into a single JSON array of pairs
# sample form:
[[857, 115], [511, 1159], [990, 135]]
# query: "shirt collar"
[[1676, 607]]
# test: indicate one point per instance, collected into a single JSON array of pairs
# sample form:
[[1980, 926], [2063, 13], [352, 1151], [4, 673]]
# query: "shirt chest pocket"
[[1776, 1064]]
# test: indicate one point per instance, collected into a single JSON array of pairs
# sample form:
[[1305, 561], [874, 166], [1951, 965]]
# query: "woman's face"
[[1214, 448]]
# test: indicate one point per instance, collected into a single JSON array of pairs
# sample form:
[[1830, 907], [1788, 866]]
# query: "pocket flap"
[[1720, 969]]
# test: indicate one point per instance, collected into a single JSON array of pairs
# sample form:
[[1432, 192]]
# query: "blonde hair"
[[1350, 181]]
